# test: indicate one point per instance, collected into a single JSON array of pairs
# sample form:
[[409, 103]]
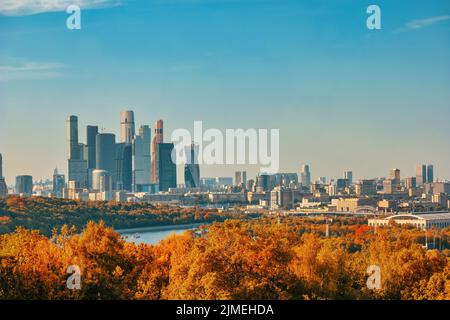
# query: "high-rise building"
[[244, 178], [3, 187], [394, 174], [421, 174], [106, 153], [142, 160], [192, 168], [24, 185], [165, 168], [366, 188], [124, 167], [91, 134], [158, 137], [59, 182], [237, 178], [263, 183], [341, 184], [348, 175], [306, 176], [430, 173], [77, 165], [410, 182], [127, 126], [72, 138]]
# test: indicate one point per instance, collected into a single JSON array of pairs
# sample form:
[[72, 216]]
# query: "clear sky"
[[344, 97]]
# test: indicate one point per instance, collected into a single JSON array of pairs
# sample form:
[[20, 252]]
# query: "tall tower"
[[91, 133], [430, 173], [158, 137], [3, 187], [77, 166], [166, 170], [127, 126], [306, 176], [141, 159], [349, 176], [106, 152], [192, 168], [72, 138], [421, 174], [394, 174]]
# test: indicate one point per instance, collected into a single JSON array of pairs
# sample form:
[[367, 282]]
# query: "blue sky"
[[344, 97]]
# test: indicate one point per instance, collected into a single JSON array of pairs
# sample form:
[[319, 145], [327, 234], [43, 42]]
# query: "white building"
[[421, 221]]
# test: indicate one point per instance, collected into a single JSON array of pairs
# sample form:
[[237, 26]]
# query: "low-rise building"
[[421, 221]]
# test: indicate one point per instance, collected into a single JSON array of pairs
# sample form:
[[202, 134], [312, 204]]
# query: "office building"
[[24, 185], [237, 178], [158, 137], [127, 129], [394, 174], [348, 175], [165, 168], [366, 188], [77, 165], [3, 186], [421, 174], [91, 134], [263, 183], [306, 176], [72, 150], [106, 152], [192, 168], [410, 182], [341, 184], [142, 160], [59, 183], [430, 173], [124, 167]]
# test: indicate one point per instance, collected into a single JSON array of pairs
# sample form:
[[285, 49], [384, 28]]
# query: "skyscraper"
[[106, 153], [91, 134], [165, 168], [192, 168], [430, 174], [348, 175], [158, 137], [126, 126], [306, 176], [142, 160], [421, 174], [59, 182], [24, 185], [394, 175], [124, 167], [263, 183], [3, 187], [237, 178], [72, 138], [77, 166]]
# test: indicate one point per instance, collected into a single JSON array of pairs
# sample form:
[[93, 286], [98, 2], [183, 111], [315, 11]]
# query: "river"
[[152, 235]]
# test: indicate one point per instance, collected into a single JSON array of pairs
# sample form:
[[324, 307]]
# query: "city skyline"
[[82, 141], [345, 97]]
